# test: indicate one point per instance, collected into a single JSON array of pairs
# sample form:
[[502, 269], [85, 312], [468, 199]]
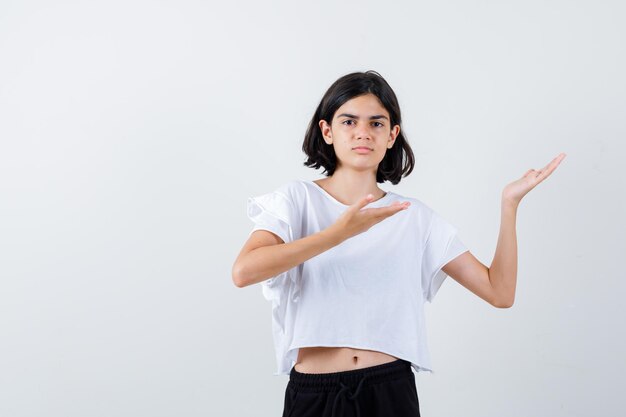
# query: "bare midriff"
[[323, 359]]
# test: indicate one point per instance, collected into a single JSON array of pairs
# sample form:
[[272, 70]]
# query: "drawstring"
[[345, 388]]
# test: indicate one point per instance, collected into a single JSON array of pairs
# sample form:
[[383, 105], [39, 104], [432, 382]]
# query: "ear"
[[326, 132], [393, 135]]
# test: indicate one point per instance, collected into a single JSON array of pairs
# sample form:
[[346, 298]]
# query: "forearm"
[[268, 261], [503, 269]]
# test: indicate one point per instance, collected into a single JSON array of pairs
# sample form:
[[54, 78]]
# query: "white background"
[[132, 133]]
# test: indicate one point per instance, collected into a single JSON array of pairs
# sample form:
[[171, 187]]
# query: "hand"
[[515, 191], [355, 219]]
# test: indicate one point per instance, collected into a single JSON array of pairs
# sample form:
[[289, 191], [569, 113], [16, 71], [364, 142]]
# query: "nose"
[[363, 132]]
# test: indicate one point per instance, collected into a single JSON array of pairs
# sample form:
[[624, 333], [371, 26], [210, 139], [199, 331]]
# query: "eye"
[[377, 124]]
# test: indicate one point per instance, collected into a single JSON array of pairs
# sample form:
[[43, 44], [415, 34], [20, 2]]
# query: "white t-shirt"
[[369, 291]]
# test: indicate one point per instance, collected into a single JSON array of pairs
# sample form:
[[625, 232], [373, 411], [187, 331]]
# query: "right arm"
[[265, 255]]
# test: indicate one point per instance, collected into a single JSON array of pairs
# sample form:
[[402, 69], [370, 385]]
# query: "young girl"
[[348, 266]]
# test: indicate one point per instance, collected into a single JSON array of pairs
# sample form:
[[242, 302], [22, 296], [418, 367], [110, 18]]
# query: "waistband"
[[332, 381]]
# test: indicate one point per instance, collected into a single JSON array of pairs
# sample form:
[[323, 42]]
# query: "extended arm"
[[503, 269], [266, 255], [496, 284]]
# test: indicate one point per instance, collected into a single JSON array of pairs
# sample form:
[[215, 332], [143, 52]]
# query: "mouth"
[[362, 148]]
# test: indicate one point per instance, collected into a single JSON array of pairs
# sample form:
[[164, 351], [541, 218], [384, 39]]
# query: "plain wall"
[[132, 133]]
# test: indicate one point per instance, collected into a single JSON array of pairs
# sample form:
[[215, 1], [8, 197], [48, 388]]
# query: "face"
[[360, 122]]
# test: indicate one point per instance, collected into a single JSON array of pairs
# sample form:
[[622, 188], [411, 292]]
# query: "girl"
[[348, 266]]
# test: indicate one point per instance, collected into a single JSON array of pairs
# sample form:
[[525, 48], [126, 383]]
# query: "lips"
[[362, 150]]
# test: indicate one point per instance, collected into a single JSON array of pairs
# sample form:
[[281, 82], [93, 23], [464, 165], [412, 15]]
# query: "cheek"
[[341, 141]]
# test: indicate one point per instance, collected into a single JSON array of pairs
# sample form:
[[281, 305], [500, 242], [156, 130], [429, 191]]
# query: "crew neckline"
[[333, 199]]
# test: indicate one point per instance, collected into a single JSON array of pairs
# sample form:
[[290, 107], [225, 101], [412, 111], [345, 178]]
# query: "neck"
[[352, 187]]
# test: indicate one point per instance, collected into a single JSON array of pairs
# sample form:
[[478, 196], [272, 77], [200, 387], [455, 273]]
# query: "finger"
[[392, 209], [554, 163], [543, 173], [399, 203], [547, 170], [363, 202]]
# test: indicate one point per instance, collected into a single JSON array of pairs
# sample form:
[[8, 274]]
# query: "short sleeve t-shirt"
[[369, 291]]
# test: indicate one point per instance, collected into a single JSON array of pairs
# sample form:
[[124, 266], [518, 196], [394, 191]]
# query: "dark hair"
[[320, 154]]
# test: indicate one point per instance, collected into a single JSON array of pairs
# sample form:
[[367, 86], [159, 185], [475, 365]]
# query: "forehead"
[[364, 106]]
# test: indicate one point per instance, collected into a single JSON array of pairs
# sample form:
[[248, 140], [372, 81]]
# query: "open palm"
[[516, 190]]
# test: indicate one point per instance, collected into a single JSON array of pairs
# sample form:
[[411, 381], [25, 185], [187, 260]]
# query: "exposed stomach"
[[323, 359]]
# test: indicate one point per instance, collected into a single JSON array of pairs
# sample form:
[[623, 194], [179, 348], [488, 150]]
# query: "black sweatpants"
[[376, 391]]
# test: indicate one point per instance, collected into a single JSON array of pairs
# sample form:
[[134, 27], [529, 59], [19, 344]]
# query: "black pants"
[[386, 390]]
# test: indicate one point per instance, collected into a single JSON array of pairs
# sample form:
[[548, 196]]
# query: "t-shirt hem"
[[415, 365]]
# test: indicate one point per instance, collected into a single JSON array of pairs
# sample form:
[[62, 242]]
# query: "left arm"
[[503, 270], [496, 284]]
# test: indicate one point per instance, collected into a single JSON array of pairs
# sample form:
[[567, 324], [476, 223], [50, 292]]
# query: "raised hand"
[[515, 191], [355, 219]]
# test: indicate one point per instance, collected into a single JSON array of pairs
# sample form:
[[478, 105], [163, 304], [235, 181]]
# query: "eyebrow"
[[378, 116]]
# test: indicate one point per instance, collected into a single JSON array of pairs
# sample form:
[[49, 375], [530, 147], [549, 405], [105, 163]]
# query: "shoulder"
[[290, 186], [290, 193], [430, 221], [293, 190], [422, 215], [417, 206]]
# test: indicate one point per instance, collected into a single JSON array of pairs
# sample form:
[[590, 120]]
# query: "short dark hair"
[[319, 154]]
